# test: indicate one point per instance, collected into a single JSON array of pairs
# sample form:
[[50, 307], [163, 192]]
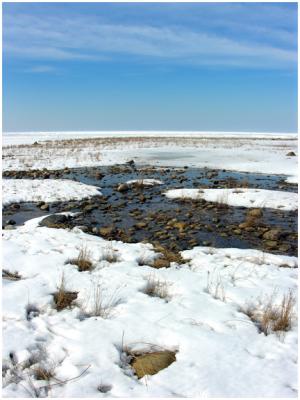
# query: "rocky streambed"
[[134, 213]]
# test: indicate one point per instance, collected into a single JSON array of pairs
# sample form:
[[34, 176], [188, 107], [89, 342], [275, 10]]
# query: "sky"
[[150, 66]]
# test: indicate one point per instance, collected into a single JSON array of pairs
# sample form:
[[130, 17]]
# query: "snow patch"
[[18, 190], [241, 197]]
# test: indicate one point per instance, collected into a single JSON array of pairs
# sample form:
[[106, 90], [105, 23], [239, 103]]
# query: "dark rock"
[[123, 187], [290, 154], [45, 207], [10, 222], [55, 221]]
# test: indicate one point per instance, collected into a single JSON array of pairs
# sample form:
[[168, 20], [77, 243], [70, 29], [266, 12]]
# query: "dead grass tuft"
[[156, 287], [63, 298], [43, 374], [11, 276], [166, 257], [270, 316], [110, 254], [83, 260], [99, 304]]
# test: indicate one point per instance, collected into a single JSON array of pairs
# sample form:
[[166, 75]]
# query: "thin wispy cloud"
[[91, 39], [41, 69]]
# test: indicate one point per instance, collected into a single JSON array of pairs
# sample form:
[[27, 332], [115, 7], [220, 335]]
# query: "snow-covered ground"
[[248, 152], [18, 190], [204, 314], [16, 138], [241, 197], [220, 351]]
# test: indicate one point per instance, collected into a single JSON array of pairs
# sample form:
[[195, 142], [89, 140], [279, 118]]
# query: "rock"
[[99, 175], [95, 229], [237, 231], [272, 234], [255, 212], [152, 363], [106, 231], [290, 154], [131, 162], [123, 187], [45, 207], [89, 207], [284, 248], [40, 203], [180, 225], [55, 221], [271, 244], [10, 222], [15, 206], [141, 225]]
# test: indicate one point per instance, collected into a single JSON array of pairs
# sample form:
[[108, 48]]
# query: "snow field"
[[220, 352], [244, 152]]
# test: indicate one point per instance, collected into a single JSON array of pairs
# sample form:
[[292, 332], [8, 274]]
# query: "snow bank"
[[241, 197], [220, 352], [18, 190]]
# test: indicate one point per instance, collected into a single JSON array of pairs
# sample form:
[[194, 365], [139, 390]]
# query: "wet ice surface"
[[146, 214]]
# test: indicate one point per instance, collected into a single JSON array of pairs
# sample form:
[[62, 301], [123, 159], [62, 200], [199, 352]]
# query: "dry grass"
[[100, 304], [215, 286], [110, 254], [83, 260], [222, 200], [278, 318], [11, 276], [63, 298], [270, 316], [143, 259], [165, 258], [156, 287], [43, 373]]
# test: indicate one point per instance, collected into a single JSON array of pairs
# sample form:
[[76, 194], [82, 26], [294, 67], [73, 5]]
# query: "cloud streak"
[[91, 39]]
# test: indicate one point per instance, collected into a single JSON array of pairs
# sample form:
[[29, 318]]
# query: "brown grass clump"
[[110, 254], [63, 298], [43, 374], [99, 304], [83, 260], [278, 318], [271, 317], [167, 256], [156, 287]]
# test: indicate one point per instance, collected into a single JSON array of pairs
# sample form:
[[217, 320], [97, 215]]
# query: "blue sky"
[[142, 66]]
